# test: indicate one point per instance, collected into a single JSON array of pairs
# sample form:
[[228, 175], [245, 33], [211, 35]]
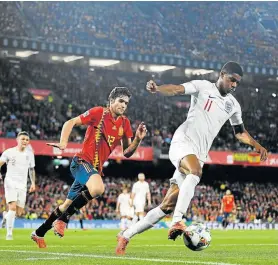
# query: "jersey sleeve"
[[120, 198], [91, 116], [32, 160], [192, 87], [236, 118], [127, 129], [5, 156]]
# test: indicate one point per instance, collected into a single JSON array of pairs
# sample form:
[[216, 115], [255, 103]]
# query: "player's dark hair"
[[23, 133], [119, 92], [232, 68]]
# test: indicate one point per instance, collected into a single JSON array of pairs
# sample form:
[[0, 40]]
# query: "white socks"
[[135, 219], [186, 193], [10, 217], [123, 224], [4, 214], [146, 223], [129, 223]]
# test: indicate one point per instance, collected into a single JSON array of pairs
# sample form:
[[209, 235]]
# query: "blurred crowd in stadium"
[[76, 89], [153, 28], [254, 201]]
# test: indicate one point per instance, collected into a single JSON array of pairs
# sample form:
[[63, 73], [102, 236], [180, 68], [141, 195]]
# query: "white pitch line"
[[247, 244], [53, 246], [44, 258], [139, 246], [172, 245], [120, 258]]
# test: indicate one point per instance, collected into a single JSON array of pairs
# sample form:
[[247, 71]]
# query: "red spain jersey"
[[103, 134], [228, 202]]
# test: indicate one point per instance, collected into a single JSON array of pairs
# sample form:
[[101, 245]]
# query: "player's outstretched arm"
[[66, 131], [166, 90], [243, 136], [130, 147]]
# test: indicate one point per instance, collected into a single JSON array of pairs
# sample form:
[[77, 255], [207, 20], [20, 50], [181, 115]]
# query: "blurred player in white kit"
[[19, 160], [140, 192], [124, 208]]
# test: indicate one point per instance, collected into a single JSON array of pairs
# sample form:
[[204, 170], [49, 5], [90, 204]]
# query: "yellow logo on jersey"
[[121, 131]]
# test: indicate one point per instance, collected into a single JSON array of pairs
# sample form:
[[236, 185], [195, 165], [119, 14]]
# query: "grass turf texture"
[[152, 247]]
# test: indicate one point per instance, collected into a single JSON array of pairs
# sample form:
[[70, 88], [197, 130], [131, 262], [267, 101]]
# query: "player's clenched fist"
[[141, 131], [151, 86]]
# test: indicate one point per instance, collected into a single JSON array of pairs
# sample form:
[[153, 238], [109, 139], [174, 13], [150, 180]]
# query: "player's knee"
[[166, 210], [96, 191], [12, 207], [196, 171], [167, 207]]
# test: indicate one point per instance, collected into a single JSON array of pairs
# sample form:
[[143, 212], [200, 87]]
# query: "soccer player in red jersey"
[[227, 207], [107, 128]]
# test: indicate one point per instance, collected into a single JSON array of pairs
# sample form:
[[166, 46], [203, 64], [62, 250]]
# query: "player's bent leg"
[[154, 216], [95, 187], [168, 206], [189, 164], [38, 235]]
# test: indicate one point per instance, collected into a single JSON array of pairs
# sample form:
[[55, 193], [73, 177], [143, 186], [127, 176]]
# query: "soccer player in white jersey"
[[140, 191], [123, 207], [212, 104], [19, 160]]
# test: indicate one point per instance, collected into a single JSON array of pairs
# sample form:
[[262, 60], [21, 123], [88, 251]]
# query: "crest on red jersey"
[[121, 131]]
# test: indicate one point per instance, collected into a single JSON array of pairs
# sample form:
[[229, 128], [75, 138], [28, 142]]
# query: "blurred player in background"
[[81, 216], [228, 206], [4, 220], [123, 208], [107, 128], [212, 104], [140, 192], [19, 161]]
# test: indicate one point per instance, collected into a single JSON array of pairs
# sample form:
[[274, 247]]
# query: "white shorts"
[[180, 149], [131, 212], [16, 195], [139, 207], [124, 211]]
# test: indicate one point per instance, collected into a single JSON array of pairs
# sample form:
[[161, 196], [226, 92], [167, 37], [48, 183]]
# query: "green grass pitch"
[[152, 247]]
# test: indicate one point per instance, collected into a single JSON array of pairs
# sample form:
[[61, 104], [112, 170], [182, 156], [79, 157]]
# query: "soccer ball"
[[197, 237]]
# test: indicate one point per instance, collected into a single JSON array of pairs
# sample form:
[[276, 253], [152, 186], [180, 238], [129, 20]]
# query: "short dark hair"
[[23, 133], [232, 68], [118, 92]]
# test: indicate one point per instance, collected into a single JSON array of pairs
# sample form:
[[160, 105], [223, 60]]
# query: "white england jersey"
[[140, 189], [207, 114], [18, 164], [124, 199]]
